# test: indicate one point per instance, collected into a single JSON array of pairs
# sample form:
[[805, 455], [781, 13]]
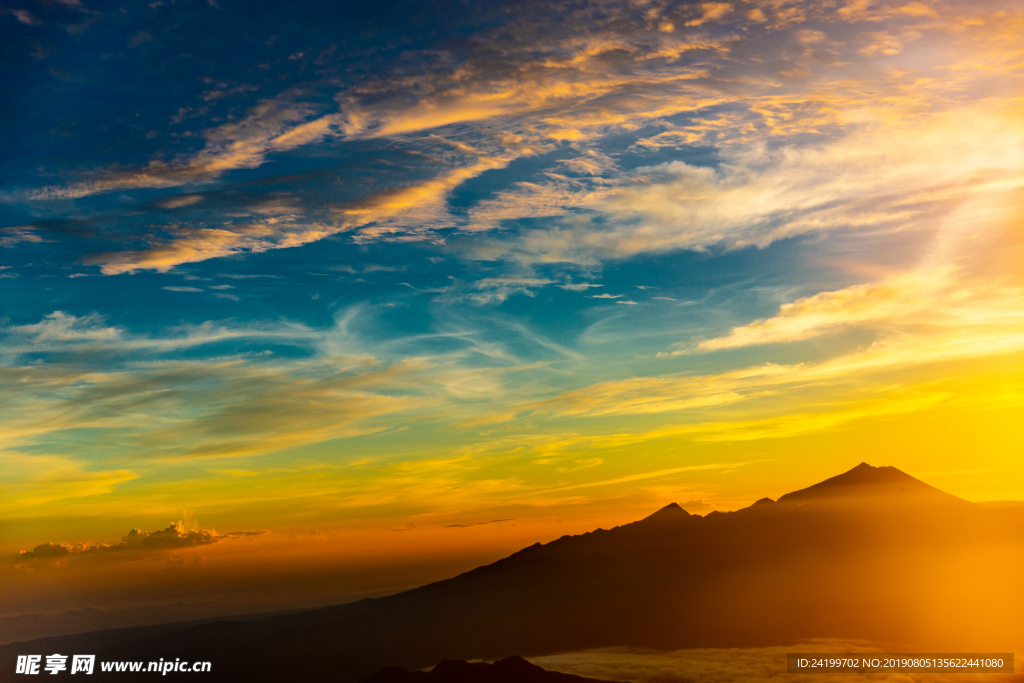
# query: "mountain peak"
[[670, 511], [865, 480]]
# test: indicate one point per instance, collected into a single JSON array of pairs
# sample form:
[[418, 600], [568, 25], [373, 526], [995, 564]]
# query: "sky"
[[279, 281]]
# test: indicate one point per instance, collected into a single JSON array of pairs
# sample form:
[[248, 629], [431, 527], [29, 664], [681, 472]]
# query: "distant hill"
[[870, 554]]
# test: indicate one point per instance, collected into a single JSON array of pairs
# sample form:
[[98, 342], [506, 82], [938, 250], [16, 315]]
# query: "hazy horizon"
[[343, 578]]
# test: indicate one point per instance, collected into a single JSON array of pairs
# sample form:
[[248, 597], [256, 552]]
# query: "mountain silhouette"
[[870, 554], [867, 482], [512, 669], [670, 512]]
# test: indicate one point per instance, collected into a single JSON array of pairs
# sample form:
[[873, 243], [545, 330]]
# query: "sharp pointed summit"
[[669, 512], [866, 481]]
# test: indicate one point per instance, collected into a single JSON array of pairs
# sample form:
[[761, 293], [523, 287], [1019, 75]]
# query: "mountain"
[[879, 484], [871, 554], [512, 669]]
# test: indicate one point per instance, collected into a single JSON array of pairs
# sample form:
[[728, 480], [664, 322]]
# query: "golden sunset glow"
[[397, 306]]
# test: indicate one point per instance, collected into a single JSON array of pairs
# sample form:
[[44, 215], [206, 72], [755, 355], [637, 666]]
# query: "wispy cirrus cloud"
[[985, 321], [91, 335], [871, 181], [223, 390], [919, 303], [102, 378], [407, 213], [180, 409], [273, 125]]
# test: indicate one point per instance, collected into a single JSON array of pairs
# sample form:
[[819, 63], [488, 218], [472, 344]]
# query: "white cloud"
[[497, 289], [881, 178]]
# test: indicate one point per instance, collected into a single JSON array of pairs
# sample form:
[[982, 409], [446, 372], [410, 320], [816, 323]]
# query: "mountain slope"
[[865, 482], [874, 556]]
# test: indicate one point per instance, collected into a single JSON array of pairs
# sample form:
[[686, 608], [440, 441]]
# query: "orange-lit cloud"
[[175, 537], [926, 300], [873, 180], [881, 123]]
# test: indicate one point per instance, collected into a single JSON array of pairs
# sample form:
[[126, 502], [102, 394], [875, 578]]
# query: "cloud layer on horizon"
[[726, 664], [175, 537]]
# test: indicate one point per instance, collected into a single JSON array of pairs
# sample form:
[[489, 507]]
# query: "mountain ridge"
[[766, 574]]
